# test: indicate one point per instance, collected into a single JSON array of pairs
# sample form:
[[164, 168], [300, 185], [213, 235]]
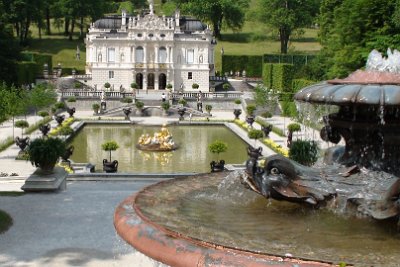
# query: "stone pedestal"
[[40, 181]]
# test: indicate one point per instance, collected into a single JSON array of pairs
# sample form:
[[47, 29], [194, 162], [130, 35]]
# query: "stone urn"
[[59, 119], [237, 113], [45, 129], [266, 129], [250, 120], [181, 112], [217, 166], [127, 111], [22, 143], [71, 112], [110, 166]]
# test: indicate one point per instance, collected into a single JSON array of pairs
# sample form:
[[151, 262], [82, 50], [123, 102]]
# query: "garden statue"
[[68, 153], [160, 141]]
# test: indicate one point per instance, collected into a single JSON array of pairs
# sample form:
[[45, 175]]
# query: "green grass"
[[5, 221], [6, 143], [11, 194]]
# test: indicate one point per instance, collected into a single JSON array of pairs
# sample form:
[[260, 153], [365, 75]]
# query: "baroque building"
[[150, 51]]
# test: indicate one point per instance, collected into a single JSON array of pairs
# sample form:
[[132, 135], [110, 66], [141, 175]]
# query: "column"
[[156, 74], [144, 54], [156, 53]]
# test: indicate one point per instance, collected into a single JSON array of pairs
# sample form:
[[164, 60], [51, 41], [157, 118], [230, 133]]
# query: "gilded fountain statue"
[[160, 141]]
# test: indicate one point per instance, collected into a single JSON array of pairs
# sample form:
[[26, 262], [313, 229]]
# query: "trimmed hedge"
[[298, 84], [282, 76], [253, 65], [26, 72], [289, 59], [40, 59], [267, 75]]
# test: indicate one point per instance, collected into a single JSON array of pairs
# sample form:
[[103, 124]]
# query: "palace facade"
[[150, 51]]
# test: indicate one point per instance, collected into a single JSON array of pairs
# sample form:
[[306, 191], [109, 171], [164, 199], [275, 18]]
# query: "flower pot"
[[217, 166], [110, 167], [237, 113]]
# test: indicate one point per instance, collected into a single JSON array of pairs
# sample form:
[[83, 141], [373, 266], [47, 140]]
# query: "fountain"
[[365, 182], [160, 141], [209, 220]]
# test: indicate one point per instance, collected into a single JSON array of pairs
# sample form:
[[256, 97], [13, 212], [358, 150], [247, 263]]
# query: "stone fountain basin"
[[210, 220]]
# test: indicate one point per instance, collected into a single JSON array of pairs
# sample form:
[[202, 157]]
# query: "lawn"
[[253, 39]]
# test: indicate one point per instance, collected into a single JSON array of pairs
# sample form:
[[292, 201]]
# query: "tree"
[[287, 16], [350, 29], [42, 96], [216, 12]]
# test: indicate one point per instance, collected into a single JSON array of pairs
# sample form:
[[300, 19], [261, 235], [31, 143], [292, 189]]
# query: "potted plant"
[[255, 134], [208, 109], [217, 147], [45, 152], [195, 86], [96, 108], [304, 152], [22, 124], [165, 106], [110, 166], [293, 127], [139, 106]]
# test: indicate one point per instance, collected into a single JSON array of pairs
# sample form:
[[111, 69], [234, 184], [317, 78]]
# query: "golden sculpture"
[[160, 141]]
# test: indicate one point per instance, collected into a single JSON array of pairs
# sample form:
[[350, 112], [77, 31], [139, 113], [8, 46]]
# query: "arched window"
[[139, 80], [139, 55], [162, 81], [162, 55]]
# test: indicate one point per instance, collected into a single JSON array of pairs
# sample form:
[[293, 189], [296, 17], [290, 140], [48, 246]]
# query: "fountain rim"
[[176, 249]]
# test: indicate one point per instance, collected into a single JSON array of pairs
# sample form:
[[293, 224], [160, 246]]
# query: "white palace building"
[[150, 51]]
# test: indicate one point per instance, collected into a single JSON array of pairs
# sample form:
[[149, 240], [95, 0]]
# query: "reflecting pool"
[[191, 156]]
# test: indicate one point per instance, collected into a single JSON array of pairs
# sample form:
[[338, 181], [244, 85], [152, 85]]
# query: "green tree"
[[287, 16], [217, 12], [42, 96]]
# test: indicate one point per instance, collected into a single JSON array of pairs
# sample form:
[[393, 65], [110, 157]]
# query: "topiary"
[[134, 85], [226, 86], [127, 100], [139, 104], [59, 105], [294, 127], [304, 152], [255, 134], [43, 113], [107, 85], [266, 114], [110, 146], [182, 101], [238, 101], [195, 86], [22, 124], [217, 147], [250, 109], [165, 106], [71, 99]]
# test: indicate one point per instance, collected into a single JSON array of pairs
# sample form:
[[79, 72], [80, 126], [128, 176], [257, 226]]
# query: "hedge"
[[267, 75], [26, 72], [40, 59], [282, 76], [289, 59], [298, 84], [253, 65]]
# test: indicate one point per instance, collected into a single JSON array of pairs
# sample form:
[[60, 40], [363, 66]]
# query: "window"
[[162, 55], [162, 35], [139, 35], [190, 56], [111, 74], [151, 35], [111, 54], [139, 55], [190, 75]]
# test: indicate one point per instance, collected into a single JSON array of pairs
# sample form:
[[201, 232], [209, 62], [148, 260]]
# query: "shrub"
[[298, 84], [77, 85], [304, 152], [165, 106], [95, 107], [195, 86], [288, 109], [44, 152], [182, 101], [43, 113], [226, 86], [107, 85], [65, 130], [169, 86], [59, 105], [71, 99], [266, 114], [139, 104], [294, 127], [217, 147], [127, 100], [238, 101], [21, 124], [134, 85], [255, 134], [250, 109], [208, 108]]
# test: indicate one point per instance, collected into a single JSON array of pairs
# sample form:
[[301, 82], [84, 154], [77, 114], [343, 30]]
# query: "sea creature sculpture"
[[160, 141]]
